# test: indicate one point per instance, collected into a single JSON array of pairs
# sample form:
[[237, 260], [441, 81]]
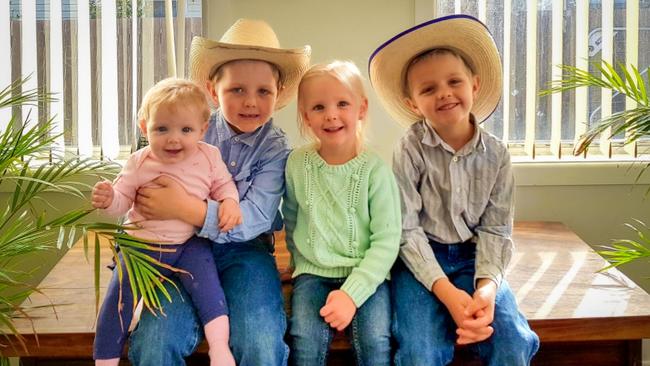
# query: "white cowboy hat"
[[250, 40], [461, 33]]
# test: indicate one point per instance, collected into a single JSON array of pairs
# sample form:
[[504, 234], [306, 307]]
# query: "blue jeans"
[[425, 331], [194, 256], [311, 336], [251, 283]]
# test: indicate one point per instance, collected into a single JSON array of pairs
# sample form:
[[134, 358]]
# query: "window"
[[533, 37], [84, 51]]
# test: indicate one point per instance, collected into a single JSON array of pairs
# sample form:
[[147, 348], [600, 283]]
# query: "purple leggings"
[[204, 288]]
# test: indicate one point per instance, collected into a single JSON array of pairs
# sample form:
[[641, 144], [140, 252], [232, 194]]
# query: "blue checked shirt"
[[453, 196], [256, 161]]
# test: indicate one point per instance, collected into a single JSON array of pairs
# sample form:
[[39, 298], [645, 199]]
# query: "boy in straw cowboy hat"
[[247, 76], [442, 78]]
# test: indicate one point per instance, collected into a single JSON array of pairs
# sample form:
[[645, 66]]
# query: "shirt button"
[[233, 163], [458, 189], [455, 159], [354, 243], [353, 210], [355, 176], [236, 139]]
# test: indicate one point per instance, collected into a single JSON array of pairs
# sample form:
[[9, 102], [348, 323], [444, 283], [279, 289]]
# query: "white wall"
[[337, 29]]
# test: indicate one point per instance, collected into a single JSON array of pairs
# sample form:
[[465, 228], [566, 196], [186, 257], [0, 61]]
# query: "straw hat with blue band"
[[461, 33], [249, 39]]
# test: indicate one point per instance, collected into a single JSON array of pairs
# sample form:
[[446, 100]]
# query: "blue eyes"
[[163, 129], [320, 107], [432, 89], [263, 92]]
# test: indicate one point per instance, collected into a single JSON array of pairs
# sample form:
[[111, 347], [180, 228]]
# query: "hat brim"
[[461, 33], [206, 55]]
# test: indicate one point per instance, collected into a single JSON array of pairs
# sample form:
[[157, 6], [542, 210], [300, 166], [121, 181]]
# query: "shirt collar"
[[432, 138], [225, 132]]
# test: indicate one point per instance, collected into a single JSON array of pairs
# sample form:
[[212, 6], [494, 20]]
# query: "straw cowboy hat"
[[250, 40], [461, 33]]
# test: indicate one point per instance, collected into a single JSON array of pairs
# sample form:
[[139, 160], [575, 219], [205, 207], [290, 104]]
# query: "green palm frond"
[[633, 123], [142, 269], [628, 81], [29, 224], [623, 251], [14, 95]]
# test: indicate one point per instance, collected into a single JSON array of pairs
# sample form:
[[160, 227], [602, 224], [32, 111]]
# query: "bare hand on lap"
[[339, 310]]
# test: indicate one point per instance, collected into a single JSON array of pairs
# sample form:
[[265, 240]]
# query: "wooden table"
[[582, 317]]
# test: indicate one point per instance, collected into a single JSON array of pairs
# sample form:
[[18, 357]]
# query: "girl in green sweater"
[[343, 224]]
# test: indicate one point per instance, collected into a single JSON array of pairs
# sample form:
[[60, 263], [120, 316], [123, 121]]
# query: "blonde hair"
[[217, 72], [348, 74], [429, 54], [174, 92]]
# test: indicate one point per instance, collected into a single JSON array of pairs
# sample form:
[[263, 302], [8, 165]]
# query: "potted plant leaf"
[[632, 123], [29, 224]]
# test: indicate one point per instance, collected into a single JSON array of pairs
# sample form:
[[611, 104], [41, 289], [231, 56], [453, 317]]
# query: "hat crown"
[[464, 34], [250, 32]]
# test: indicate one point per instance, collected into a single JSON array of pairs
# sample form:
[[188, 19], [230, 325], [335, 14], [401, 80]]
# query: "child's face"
[[442, 90], [246, 93], [174, 132], [332, 111]]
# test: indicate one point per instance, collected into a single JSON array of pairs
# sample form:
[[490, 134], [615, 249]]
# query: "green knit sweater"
[[342, 221]]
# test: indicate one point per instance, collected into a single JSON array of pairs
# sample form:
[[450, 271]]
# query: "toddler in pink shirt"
[[174, 117]]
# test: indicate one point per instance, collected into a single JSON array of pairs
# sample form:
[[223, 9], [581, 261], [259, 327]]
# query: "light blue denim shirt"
[[453, 196], [256, 161]]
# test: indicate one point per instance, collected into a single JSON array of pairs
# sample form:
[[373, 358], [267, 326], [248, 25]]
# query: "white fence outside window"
[[83, 51], [533, 37]]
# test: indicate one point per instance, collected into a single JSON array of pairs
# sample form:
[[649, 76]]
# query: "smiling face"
[[332, 112], [442, 89], [246, 92], [174, 131]]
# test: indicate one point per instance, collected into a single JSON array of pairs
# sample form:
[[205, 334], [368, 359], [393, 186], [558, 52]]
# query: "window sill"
[[579, 172]]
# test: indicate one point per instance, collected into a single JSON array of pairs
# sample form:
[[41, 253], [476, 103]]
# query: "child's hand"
[[455, 299], [480, 314], [170, 201], [229, 215], [339, 310], [468, 335], [102, 195]]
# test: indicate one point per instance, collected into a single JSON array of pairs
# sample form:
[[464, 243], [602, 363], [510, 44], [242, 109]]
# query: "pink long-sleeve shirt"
[[202, 174]]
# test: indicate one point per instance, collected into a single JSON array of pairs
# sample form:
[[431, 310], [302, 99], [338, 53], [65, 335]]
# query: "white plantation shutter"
[[5, 58], [29, 57]]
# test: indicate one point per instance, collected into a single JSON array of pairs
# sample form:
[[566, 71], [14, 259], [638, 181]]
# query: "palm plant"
[[633, 123], [29, 172]]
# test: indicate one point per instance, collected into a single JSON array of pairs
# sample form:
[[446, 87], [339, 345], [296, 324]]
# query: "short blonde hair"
[[217, 73], [348, 74], [172, 92], [440, 51]]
